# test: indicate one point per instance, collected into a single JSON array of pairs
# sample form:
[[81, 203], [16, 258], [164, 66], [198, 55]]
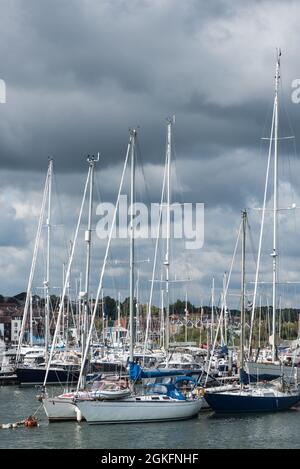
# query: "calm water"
[[280, 430]]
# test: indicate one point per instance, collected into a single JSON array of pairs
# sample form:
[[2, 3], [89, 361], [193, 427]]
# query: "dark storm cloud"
[[79, 73]]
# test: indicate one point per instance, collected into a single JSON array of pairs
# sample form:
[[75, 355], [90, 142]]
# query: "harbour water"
[[279, 430]]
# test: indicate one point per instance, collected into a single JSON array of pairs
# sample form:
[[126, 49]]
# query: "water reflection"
[[206, 431]]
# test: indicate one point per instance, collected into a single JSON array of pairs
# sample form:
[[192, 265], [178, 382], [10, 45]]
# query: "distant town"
[[187, 321]]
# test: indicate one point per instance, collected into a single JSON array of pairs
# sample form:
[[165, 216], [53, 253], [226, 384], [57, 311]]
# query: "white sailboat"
[[138, 408], [62, 407], [152, 408]]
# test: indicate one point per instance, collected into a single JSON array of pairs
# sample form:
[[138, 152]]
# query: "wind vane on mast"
[[93, 159]]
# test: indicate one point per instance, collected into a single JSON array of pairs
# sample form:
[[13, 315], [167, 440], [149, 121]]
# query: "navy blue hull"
[[229, 403], [35, 376]]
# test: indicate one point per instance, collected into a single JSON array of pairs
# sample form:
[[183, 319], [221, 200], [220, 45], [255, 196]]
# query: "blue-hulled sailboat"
[[251, 398], [255, 399]]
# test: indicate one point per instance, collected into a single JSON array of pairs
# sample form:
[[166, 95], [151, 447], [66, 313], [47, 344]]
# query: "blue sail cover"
[[224, 350], [173, 389], [136, 372], [247, 378], [168, 389]]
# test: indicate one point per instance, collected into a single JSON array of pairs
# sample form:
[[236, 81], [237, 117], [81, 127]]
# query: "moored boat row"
[[157, 382]]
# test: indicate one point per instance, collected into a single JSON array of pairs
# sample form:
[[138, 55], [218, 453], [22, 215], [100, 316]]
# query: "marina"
[[149, 274], [205, 431]]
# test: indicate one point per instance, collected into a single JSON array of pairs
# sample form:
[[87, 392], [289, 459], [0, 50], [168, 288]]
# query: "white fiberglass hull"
[[60, 409], [63, 407], [132, 410]]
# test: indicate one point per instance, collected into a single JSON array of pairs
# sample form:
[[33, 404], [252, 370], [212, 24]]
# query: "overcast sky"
[[79, 73]]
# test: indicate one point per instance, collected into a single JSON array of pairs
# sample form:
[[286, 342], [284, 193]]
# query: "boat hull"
[[64, 408], [36, 376], [229, 403], [131, 411], [58, 409]]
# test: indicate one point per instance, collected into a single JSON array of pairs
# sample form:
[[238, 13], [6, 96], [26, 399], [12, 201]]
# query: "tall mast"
[[88, 239], [133, 135], [259, 323], [104, 263], [65, 287], [33, 264], [162, 320], [201, 323], [119, 318], [212, 310], [47, 281], [69, 306], [167, 258], [30, 320], [280, 318], [275, 206], [137, 309], [225, 308], [63, 313], [186, 316], [103, 317], [66, 338], [242, 343]]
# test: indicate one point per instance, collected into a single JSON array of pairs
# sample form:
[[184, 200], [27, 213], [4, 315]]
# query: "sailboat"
[[63, 368], [272, 367], [22, 370], [251, 398], [62, 407], [152, 406]]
